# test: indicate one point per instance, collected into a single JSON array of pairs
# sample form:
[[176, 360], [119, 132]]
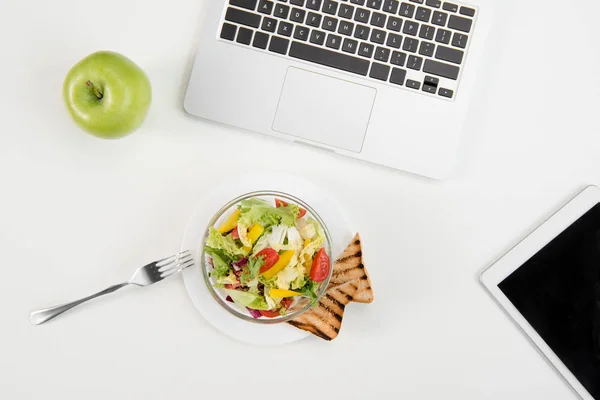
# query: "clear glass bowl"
[[301, 304]]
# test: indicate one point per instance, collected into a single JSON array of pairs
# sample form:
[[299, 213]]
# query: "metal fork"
[[144, 276]]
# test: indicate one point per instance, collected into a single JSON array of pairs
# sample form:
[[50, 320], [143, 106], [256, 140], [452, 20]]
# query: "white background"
[[78, 214]]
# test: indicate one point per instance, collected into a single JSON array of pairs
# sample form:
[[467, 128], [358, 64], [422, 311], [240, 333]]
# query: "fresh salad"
[[265, 256]]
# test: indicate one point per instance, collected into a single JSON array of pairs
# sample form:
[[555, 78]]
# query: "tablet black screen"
[[558, 292]]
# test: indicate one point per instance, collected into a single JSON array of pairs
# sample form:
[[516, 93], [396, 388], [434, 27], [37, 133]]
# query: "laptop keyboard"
[[420, 45]]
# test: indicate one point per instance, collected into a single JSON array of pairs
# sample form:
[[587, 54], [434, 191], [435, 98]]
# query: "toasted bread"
[[325, 320], [350, 267]]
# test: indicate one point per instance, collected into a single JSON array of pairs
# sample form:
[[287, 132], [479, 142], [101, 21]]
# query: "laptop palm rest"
[[324, 110]]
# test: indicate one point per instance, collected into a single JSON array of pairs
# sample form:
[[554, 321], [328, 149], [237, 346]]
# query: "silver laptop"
[[384, 81]]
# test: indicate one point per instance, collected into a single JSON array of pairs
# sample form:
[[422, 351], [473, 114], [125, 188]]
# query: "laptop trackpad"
[[323, 109]]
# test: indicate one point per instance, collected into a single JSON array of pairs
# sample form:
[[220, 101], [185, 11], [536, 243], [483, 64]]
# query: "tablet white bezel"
[[526, 249]]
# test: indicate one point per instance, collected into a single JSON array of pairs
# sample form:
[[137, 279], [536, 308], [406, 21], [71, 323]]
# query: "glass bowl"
[[301, 304]]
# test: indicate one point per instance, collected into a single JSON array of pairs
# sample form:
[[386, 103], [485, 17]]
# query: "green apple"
[[107, 94]]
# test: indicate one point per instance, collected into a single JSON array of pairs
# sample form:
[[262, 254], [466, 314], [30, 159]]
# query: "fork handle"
[[41, 316]]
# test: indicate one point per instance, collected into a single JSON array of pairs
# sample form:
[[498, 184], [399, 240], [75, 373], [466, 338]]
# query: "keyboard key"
[[393, 41], [398, 76], [228, 31], [398, 58], [242, 17], [410, 44], [413, 84], [247, 4], [446, 93], [265, 7], [378, 36], [350, 45], [430, 80], [439, 18], [285, 28], [429, 88], [459, 40], [443, 36], [279, 45], [362, 15], [441, 69], [298, 15], [329, 24], [394, 24], [450, 7], [407, 10], [260, 40], [382, 54], [362, 32], [359, 2], [330, 7], [414, 62], [411, 28], [317, 37], [449, 54], [427, 49], [366, 50], [460, 23], [313, 19], [423, 14], [467, 11], [434, 3], [269, 24], [417, 1], [301, 33], [297, 2], [346, 28], [329, 58], [346, 11], [379, 71], [391, 6], [281, 11], [378, 19], [333, 41], [376, 4], [427, 32], [314, 4]]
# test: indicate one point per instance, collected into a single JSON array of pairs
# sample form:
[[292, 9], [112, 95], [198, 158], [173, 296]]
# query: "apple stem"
[[97, 92]]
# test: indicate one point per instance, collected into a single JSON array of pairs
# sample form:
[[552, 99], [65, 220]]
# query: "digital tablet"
[[549, 284]]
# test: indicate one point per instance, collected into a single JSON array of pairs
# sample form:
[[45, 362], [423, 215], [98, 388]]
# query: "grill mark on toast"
[[335, 301], [311, 329], [358, 254]]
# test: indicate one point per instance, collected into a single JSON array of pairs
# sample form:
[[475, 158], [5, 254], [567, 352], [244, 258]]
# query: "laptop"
[[384, 81]]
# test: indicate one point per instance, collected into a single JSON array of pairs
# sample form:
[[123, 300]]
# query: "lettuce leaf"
[[226, 244], [221, 262], [246, 299], [310, 290], [251, 271], [254, 211]]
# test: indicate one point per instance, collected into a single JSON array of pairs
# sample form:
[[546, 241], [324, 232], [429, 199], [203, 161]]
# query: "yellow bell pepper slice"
[[253, 235], [283, 293], [230, 223], [284, 260]]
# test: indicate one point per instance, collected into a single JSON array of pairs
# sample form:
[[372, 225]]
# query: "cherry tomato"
[[320, 266], [281, 203], [235, 234], [270, 256], [270, 313]]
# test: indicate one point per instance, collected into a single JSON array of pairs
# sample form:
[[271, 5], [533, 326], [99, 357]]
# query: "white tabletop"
[[78, 214]]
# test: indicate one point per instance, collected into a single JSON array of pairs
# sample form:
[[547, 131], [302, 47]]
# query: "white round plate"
[[323, 204]]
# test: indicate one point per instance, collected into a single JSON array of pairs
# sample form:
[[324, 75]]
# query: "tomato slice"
[[282, 203], [270, 256], [320, 266], [235, 234], [287, 302], [270, 313]]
